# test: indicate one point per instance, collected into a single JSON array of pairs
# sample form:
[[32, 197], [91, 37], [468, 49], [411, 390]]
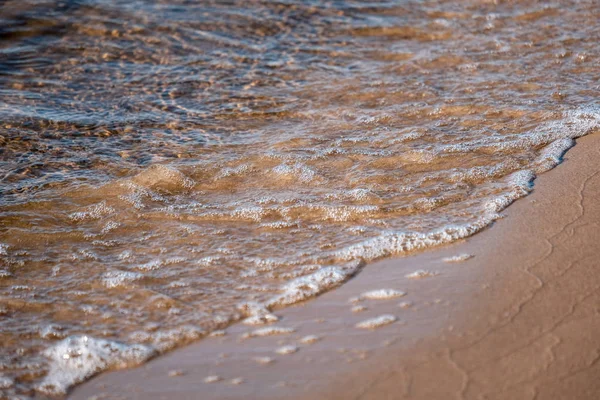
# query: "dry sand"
[[519, 320]]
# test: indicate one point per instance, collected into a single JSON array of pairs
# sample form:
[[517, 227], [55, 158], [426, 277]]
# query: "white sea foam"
[[113, 279], [95, 211], [421, 273], [268, 331], [297, 171], [457, 258], [359, 308], [382, 294], [79, 357], [310, 339], [394, 242], [311, 285], [167, 339], [376, 322], [290, 349]]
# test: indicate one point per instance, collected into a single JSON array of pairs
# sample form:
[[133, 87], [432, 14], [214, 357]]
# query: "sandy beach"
[[518, 320]]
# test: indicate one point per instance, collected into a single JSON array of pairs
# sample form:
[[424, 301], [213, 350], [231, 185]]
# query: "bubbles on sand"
[[381, 294], [420, 274], [310, 339], [212, 379], [458, 258], [289, 349], [268, 331], [377, 322]]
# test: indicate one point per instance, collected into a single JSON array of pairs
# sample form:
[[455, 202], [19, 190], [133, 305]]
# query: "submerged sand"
[[518, 320]]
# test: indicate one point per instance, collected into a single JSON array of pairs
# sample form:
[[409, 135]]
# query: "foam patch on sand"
[[420, 274], [77, 358], [458, 258], [287, 350], [376, 322], [381, 294], [268, 331], [310, 339]]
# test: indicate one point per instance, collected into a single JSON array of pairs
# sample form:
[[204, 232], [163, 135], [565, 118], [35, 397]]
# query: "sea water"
[[170, 168]]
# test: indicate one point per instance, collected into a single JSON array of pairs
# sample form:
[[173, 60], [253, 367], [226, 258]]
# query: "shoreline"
[[515, 321]]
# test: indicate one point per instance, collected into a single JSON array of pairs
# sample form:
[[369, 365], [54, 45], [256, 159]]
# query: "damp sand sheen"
[[166, 174]]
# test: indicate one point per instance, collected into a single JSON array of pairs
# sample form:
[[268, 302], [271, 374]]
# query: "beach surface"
[[517, 320]]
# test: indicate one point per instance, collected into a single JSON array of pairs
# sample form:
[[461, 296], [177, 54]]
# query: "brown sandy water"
[[168, 169]]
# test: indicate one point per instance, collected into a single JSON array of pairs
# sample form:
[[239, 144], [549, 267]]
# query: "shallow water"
[[164, 164]]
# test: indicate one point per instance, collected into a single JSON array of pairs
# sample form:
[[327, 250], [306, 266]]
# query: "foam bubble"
[[457, 258], [297, 171], [376, 322], [359, 308], [382, 294], [268, 331], [212, 379], [290, 349], [95, 211], [77, 358], [310, 339], [176, 372], [420, 274]]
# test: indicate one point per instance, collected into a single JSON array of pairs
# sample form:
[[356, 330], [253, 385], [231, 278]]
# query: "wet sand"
[[519, 320]]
